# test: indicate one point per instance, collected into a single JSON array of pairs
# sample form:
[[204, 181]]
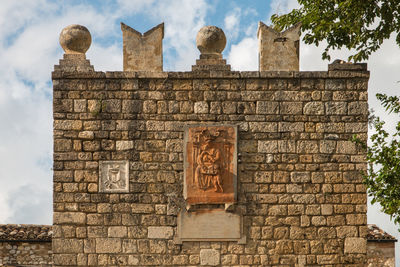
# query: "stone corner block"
[[160, 232], [355, 245], [69, 218]]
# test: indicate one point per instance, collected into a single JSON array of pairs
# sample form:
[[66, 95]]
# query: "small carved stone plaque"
[[209, 225], [114, 176], [210, 164]]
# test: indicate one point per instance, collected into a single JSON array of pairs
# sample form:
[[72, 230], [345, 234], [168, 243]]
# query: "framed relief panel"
[[114, 176], [210, 154]]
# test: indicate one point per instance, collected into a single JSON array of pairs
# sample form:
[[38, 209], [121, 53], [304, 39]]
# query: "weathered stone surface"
[[314, 108], [86, 135], [108, 245], [212, 225], [209, 257], [69, 218], [68, 245], [124, 145], [201, 107], [278, 51], [142, 52], [75, 39], [355, 245], [268, 146], [210, 40], [160, 232], [117, 231]]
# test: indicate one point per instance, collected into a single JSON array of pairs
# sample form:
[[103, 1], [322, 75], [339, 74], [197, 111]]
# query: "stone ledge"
[[214, 74]]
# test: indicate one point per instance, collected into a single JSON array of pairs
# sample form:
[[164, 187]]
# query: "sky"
[[29, 49]]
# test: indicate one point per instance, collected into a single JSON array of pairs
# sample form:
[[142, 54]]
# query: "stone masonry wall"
[[381, 254], [25, 254], [300, 190]]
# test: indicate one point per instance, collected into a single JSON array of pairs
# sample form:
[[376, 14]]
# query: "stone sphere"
[[210, 40], [75, 39]]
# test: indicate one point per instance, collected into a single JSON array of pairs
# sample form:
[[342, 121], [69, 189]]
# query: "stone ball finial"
[[75, 39], [211, 40]]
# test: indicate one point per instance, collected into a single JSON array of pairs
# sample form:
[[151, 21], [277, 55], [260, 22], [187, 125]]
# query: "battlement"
[[278, 51]]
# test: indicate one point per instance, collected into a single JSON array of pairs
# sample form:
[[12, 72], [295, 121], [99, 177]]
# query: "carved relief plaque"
[[114, 176], [210, 164]]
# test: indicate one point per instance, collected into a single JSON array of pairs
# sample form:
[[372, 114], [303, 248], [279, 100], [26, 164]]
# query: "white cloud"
[[185, 18], [33, 207], [106, 58], [232, 23], [28, 53], [244, 55], [134, 6], [281, 7], [29, 48]]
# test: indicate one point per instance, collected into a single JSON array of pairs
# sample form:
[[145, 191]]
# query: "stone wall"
[[209, 167], [299, 188], [25, 254], [381, 254], [25, 245]]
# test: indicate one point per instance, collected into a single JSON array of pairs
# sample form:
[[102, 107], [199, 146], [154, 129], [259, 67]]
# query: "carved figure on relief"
[[210, 167], [113, 180], [208, 171]]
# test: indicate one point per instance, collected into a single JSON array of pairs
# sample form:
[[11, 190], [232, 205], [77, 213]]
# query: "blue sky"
[[29, 48]]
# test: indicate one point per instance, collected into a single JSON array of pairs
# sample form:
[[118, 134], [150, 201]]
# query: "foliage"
[[383, 156], [362, 25]]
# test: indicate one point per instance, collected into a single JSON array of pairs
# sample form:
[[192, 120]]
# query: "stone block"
[[314, 108], [160, 232], [355, 245], [292, 108], [67, 246], [124, 145], [142, 52], [300, 177], [108, 245], [201, 107], [268, 146], [89, 135], [65, 259], [327, 146], [117, 231], [142, 208], [80, 105], [267, 107], [278, 51], [346, 147], [69, 218], [209, 257], [336, 108]]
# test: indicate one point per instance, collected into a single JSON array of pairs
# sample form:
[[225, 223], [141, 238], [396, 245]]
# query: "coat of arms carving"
[[114, 176], [210, 164]]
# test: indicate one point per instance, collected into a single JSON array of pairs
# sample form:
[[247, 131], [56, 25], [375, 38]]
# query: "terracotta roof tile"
[[377, 234], [25, 232]]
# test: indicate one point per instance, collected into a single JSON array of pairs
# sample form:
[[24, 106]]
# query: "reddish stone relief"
[[210, 164]]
